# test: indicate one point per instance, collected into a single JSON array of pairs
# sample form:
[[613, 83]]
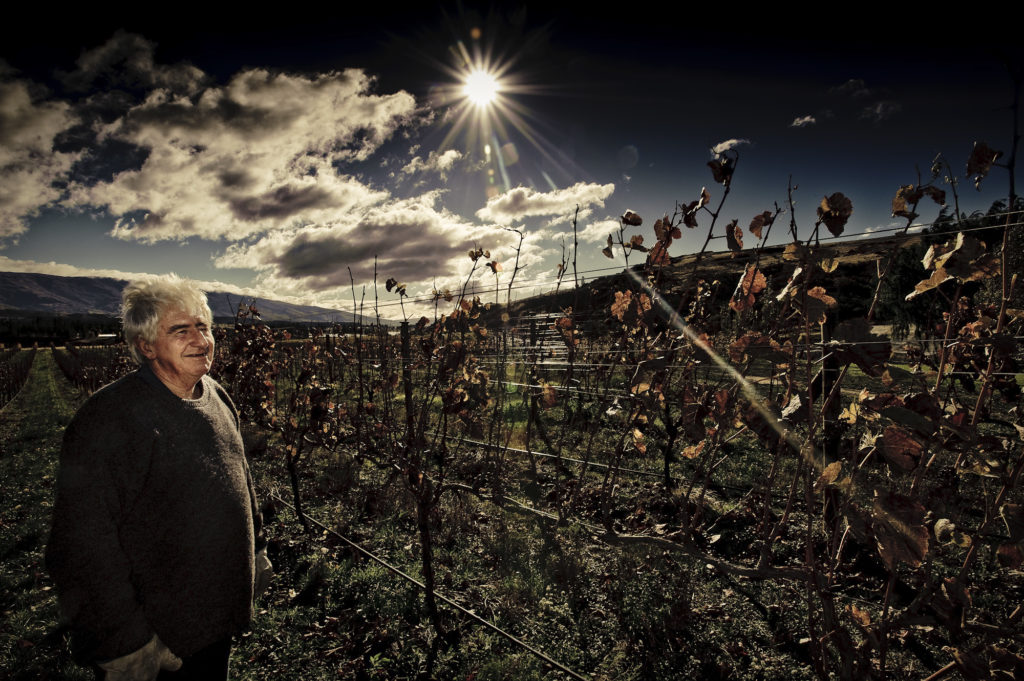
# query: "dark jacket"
[[154, 520]]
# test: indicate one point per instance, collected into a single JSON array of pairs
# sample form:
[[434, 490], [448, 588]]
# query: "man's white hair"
[[144, 301]]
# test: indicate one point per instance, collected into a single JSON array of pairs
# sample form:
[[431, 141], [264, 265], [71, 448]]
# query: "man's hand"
[[145, 664], [264, 573]]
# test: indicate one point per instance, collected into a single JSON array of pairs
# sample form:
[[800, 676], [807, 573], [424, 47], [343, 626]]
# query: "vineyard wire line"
[[465, 611]]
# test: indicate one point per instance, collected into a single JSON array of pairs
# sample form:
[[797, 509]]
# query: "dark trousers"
[[208, 664]]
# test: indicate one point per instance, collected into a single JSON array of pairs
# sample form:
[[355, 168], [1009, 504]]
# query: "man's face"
[[183, 349]]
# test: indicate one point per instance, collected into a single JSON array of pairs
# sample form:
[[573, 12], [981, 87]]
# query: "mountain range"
[[26, 292]]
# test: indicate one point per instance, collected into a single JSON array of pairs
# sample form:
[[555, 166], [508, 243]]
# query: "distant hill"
[[24, 292]]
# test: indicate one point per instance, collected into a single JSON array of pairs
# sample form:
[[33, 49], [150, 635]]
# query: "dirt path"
[[31, 427]]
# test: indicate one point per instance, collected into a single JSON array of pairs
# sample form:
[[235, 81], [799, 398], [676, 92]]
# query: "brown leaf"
[[621, 304], [637, 243], [693, 451], [548, 397], [750, 284], [721, 170], [828, 476], [907, 194], [760, 222], [861, 617], [761, 346], [899, 529], [734, 236], [638, 441], [817, 302], [834, 211], [632, 219], [937, 195], [658, 257], [900, 448], [980, 161]]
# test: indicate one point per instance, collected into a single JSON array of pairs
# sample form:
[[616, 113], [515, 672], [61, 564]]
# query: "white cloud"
[[728, 144], [597, 232], [257, 154], [802, 121], [440, 163], [522, 202], [564, 222], [28, 164]]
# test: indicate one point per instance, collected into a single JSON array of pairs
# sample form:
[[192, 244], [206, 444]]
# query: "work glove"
[[264, 573], [145, 664]]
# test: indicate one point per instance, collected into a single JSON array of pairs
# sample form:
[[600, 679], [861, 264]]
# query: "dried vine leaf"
[[964, 258], [658, 256], [828, 476], [632, 219], [690, 210], [636, 243], [721, 170], [750, 284], [980, 162], [758, 345], [638, 441], [627, 308], [911, 194], [937, 195], [817, 302], [835, 210], [607, 250], [899, 529], [734, 236], [664, 230], [760, 222], [548, 398], [693, 451], [900, 448]]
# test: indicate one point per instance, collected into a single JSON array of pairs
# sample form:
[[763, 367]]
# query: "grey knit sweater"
[[154, 520]]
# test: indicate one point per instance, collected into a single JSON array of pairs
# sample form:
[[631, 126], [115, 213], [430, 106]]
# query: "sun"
[[481, 87]]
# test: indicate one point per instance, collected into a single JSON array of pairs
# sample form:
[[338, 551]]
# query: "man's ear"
[[145, 347]]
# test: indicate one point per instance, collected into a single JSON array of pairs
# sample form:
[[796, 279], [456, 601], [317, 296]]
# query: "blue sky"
[[275, 154]]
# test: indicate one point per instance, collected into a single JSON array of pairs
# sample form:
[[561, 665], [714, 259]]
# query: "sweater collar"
[[146, 374]]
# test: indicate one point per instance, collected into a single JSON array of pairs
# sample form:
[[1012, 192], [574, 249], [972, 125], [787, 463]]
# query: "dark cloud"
[[126, 60], [854, 87], [879, 111], [280, 203]]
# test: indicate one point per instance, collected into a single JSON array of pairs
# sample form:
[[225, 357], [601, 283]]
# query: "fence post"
[[407, 382]]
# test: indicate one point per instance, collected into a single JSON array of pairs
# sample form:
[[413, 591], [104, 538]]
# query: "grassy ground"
[[31, 425]]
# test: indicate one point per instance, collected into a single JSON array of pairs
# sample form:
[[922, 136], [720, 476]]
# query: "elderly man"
[[154, 548]]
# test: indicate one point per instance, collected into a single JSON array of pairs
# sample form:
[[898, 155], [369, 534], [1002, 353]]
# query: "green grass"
[[32, 645]]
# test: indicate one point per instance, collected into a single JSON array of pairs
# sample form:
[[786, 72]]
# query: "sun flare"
[[481, 88]]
